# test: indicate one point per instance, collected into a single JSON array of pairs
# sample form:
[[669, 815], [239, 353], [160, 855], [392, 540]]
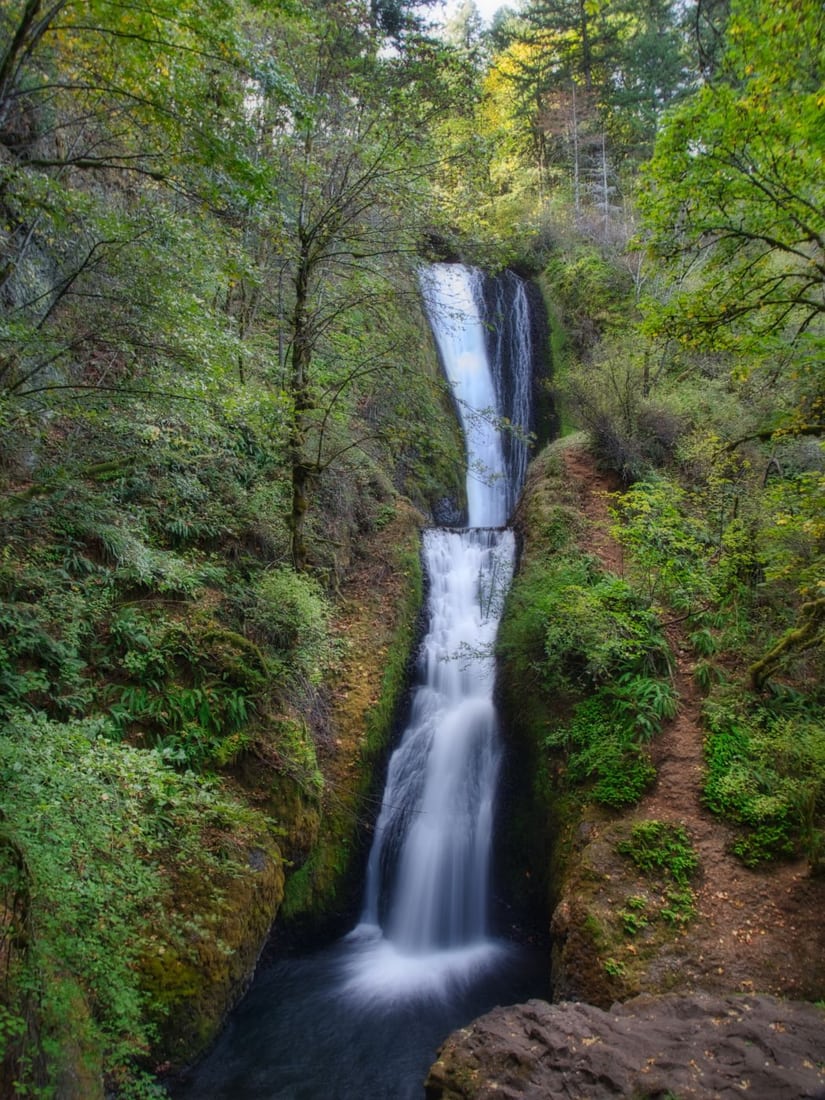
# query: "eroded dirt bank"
[[756, 930]]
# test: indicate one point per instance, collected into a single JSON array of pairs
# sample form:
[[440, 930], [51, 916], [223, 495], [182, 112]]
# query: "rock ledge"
[[651, 1046]]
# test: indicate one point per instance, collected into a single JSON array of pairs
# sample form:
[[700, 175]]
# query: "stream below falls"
[[364, 1016]]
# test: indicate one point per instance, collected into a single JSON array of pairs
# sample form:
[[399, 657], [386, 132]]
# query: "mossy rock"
[[71, 1040], [298, 812], [194, 983], [380, 607]]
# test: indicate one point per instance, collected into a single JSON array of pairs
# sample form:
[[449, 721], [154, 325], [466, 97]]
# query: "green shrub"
[[679, 906], [661, 849], [597, 629], [291, 613], [87, 825], [706, 674], [569, 626], [766, 773], [630, 429], [581, 277], [667, 548], [615, 968]]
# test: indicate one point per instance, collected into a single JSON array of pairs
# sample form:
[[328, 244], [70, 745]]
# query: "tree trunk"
[[301, 483], [807, 634], [301, 472]]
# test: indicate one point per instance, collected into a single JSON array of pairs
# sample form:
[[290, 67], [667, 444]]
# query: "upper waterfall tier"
[[453, 306], [484, 335]]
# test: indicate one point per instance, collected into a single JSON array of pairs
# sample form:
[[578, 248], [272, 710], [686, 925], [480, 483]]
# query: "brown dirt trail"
[[760, 930]]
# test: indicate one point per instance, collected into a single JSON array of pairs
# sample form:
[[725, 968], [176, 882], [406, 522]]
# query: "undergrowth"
[[766, 773], [708, 566], [88, 827], [663, 854], [577, 634]]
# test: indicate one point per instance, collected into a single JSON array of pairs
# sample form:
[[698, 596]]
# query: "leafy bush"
[[86, 826], [663, 853], [598, 628], [570, 626], [630, 432], [632, 915], [766, 773], [291, 613], [668, 548], [582, 278]]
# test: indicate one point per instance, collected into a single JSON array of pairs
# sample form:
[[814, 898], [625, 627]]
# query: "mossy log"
[[810, 631]]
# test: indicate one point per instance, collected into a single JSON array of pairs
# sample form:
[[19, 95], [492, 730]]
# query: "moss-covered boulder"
[[195, 978]]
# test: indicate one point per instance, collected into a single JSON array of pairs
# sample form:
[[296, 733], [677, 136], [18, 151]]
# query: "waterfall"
[[432, 840], [428, 875], [453, 296], [363, 1016]]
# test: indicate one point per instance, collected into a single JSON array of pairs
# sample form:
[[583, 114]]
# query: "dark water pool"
[[356, 1021]]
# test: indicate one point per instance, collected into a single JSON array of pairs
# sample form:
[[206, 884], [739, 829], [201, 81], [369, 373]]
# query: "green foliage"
[[603, 752], [290, 612], [668, 549], [661, 849], [592, 292], [643, 703], [569, 626], [296, 748], [615, 968], [675, 905], [751, 217], [191, 691], [598, 628], [706, 675], [794, 539], [87, 828], [766, 773], [679, 907], [570, 629], [632, 915]]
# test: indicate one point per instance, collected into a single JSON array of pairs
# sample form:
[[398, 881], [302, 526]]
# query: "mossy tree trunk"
[[810, 632], [301, 361]]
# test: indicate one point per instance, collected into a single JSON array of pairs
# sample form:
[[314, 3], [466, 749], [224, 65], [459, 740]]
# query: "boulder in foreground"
[[652, 1046]]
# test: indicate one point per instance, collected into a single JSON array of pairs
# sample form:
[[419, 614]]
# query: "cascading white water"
[[432, 843], [452, 295], [363, 1016], [428, 875]]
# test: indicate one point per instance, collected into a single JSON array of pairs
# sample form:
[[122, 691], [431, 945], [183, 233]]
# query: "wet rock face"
[[448, 513], [692, 1047]]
